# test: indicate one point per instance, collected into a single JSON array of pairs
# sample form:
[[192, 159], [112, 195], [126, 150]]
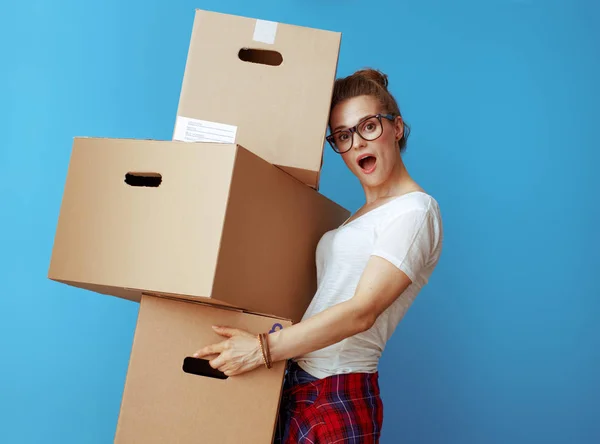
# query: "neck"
[[399, 182]]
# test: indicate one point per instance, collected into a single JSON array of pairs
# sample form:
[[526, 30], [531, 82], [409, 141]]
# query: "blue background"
[[502, 96]]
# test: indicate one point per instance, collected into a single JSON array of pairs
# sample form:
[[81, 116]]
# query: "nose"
[[357, 141]]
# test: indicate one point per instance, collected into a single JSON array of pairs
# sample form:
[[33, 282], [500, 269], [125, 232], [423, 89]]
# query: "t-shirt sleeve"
[[407, 241]]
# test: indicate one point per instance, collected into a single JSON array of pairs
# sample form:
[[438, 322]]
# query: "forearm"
[[326, 328]]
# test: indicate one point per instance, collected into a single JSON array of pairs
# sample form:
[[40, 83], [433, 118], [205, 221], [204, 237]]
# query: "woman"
[[369, 271]]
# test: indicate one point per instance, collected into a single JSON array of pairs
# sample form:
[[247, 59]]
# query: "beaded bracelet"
[[264, 348], [268, 350]]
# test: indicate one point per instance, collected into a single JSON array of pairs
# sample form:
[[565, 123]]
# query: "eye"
[[341, 137], [369, 126]]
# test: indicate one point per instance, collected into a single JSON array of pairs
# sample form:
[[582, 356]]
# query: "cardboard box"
[[264, 85], [195, 220], [164, 401]]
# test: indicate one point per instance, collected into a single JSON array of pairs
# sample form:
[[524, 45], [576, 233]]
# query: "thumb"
[[225, 331]]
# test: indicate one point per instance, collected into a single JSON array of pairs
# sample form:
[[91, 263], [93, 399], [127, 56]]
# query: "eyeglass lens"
[[369, 129]]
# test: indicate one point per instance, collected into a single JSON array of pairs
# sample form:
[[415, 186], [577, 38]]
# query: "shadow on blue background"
[[502, 96]]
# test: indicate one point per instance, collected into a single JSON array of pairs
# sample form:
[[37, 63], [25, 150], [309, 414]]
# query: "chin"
[[371, 181]]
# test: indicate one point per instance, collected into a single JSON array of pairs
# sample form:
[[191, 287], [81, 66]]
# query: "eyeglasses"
[[370, 128]]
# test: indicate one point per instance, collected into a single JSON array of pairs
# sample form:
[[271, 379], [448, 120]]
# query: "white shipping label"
[[264, 31], [194, 130]]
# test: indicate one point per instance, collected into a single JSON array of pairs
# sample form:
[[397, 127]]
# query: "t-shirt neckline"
[[346, 223]]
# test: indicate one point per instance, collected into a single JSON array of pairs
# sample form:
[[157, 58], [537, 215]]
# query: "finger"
[[218, 363], [209, 350], [228, 370], [233, 372], [228, 332]]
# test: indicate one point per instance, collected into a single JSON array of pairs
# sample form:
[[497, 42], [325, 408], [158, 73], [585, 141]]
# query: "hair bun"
[[373, 75]]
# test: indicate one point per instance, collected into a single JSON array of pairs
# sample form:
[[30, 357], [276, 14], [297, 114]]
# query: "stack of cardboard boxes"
[[219, 231]]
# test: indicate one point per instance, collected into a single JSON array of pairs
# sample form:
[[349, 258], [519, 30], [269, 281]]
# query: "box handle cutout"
[[261, 56], [143, 179], [201, 367]]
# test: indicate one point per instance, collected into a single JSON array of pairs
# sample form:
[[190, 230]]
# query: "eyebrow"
[[337, 128]]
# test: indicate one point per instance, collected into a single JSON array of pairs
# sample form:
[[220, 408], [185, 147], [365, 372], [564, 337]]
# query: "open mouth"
[[367, 163]]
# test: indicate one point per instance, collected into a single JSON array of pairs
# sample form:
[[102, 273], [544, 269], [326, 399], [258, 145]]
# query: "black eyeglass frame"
[[354, 129]]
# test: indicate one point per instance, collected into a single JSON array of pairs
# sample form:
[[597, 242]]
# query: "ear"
[[398, 128]]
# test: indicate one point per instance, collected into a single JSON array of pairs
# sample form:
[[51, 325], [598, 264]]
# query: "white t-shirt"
[[406, 231]]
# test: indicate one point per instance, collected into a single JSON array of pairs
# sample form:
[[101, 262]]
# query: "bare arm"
[[380, 285]]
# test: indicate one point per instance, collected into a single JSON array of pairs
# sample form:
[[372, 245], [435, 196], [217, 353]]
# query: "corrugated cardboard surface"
[[161, 239], [223, 224], [270, 236], [163, 404], [281, 112]]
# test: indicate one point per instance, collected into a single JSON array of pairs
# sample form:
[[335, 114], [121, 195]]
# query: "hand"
[[238, 354]]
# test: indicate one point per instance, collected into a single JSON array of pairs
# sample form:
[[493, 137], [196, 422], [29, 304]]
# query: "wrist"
[[263, 341], [273, 342], [257, 355]]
